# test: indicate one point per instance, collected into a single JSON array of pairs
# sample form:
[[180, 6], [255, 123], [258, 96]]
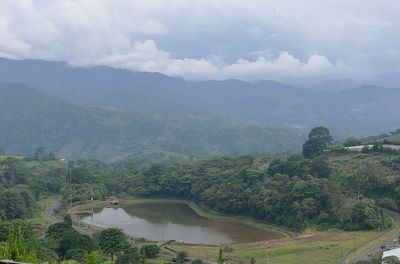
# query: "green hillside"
[[374, 175], [361, 111], [160, 156], [31, 119], [334, 192], [395, 139]]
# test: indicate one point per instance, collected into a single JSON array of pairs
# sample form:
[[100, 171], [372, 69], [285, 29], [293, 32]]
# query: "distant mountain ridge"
[[30, 119], [361, 111]]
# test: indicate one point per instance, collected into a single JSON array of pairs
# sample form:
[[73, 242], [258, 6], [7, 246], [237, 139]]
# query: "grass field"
[[393, 139], [44, 204], [326, 247], [3, 157], [314, 248]]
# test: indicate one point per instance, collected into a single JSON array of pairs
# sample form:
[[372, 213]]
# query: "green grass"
[[323, 247], [3, 157], [326, 249], [299, 253], [393, 139], [43, 204]]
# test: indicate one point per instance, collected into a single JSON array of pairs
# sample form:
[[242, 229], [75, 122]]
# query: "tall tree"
[[95, 257], [13, 205], [319, 139], [131, 256], [112, 241], [321, 132], [150, 250]]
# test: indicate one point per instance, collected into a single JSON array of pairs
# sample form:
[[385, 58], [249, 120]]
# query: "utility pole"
[[266, 255], [70, 185]]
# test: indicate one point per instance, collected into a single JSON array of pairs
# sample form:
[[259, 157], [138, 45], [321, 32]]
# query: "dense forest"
[[337, 189], [293, 191], [31, 119]]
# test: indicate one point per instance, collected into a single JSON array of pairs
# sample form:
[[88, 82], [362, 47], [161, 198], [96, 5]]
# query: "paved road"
[[368, 255]]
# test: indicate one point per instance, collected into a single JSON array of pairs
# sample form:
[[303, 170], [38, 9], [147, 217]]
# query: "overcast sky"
[[283, 40]]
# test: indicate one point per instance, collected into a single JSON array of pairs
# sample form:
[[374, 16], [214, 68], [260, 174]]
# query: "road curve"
[[367, 256]]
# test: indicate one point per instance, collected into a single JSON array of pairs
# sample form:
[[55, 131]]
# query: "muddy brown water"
[[175, 221]]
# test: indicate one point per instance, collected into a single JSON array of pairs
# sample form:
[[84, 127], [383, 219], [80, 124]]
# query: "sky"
[[291, 41]]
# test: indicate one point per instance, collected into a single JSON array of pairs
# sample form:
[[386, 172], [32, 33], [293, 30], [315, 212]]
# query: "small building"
[[393, 252], [359, 148]]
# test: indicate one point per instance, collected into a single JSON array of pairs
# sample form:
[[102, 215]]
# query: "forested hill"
[[31, 119], [360, 111], [326, 192]]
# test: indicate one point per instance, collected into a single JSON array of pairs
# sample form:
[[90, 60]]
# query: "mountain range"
[[32, 119], [113, 114], [363, 110]]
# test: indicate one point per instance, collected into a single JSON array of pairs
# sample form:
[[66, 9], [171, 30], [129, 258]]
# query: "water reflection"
[[174, 221]]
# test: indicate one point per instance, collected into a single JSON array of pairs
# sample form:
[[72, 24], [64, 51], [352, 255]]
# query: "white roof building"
[[393, 252]]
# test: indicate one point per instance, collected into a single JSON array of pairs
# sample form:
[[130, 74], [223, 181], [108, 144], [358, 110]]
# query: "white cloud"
[[145, 56], [210, 39]]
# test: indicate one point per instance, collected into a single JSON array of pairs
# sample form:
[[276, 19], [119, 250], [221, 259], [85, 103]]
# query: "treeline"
[[60, 242], [16, 203], [384, 138], [295, 192], [75, 132], [20, 185], [17, 199]]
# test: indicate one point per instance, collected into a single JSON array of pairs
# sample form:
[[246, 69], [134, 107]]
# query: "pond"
[[175, 221]]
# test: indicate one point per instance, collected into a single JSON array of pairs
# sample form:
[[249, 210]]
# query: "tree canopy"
[[112, 241], [319, 139]]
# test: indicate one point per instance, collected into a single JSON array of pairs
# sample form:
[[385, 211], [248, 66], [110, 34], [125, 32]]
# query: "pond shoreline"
[[209, 214]]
